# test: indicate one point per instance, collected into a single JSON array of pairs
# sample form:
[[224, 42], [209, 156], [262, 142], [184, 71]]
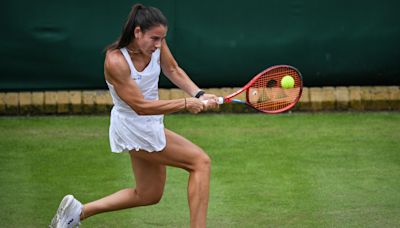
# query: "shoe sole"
[[65, 203]]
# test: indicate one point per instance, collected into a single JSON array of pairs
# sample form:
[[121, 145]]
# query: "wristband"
[[199, 94]]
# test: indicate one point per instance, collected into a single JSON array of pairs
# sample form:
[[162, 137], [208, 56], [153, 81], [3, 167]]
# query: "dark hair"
[[142, 16]]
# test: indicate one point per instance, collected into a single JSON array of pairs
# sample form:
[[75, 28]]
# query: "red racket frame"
[[229, 98]]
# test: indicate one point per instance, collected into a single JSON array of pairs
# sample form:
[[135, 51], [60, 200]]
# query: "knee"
[[149, 197], [203, 163], [153, 200]]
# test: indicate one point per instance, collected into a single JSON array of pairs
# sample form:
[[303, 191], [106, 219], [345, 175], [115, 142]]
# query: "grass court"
[[288, 170]]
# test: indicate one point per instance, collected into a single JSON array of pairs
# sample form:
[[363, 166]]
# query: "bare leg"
[[150, 181], [182, 153], [150, 174]]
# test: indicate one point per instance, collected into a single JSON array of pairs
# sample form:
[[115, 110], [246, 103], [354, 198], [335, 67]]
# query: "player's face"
[[151, 39]]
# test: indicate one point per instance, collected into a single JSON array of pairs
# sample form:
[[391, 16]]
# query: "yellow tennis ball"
[[287, 82]]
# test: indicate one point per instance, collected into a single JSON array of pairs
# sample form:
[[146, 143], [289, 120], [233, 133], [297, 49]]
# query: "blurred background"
[[59, 45]]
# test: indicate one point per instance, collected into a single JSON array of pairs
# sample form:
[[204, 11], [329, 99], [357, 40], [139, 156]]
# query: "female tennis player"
[[132, 67]]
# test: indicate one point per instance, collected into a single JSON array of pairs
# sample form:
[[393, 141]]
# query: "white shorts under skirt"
[[133, 132]]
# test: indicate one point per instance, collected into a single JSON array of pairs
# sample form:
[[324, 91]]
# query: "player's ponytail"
[[145, 18]]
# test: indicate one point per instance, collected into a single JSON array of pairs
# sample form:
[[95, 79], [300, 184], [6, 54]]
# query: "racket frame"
[[229, 98]]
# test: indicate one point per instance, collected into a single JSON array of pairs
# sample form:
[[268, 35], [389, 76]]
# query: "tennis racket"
[[267, 93]]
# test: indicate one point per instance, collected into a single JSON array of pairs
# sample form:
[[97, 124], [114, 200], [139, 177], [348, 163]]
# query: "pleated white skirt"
[[134, 132]]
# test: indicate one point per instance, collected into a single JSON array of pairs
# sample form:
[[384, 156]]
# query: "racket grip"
[[220, 100]]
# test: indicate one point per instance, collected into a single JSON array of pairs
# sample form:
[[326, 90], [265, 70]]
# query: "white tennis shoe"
[[68, 213]]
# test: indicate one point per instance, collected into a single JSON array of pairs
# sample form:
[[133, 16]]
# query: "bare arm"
[[179, 77], [174, 73], [117, 73]]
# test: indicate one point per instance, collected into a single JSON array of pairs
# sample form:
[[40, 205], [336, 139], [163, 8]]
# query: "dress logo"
[[137, 77]]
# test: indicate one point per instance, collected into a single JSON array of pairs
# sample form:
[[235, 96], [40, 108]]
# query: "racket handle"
[[220, 100]]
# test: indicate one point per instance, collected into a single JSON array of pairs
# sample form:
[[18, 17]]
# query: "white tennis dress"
[[128, 130]]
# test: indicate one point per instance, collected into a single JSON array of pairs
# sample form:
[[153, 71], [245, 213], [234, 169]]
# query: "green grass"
[[291, 170]]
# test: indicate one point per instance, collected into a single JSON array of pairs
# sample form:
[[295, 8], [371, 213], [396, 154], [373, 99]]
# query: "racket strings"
[[266, 93]]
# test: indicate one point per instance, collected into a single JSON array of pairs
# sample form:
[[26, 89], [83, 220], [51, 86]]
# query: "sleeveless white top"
[[129, 130]]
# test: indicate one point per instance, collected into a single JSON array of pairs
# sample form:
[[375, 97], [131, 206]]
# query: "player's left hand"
[[211, 100]]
